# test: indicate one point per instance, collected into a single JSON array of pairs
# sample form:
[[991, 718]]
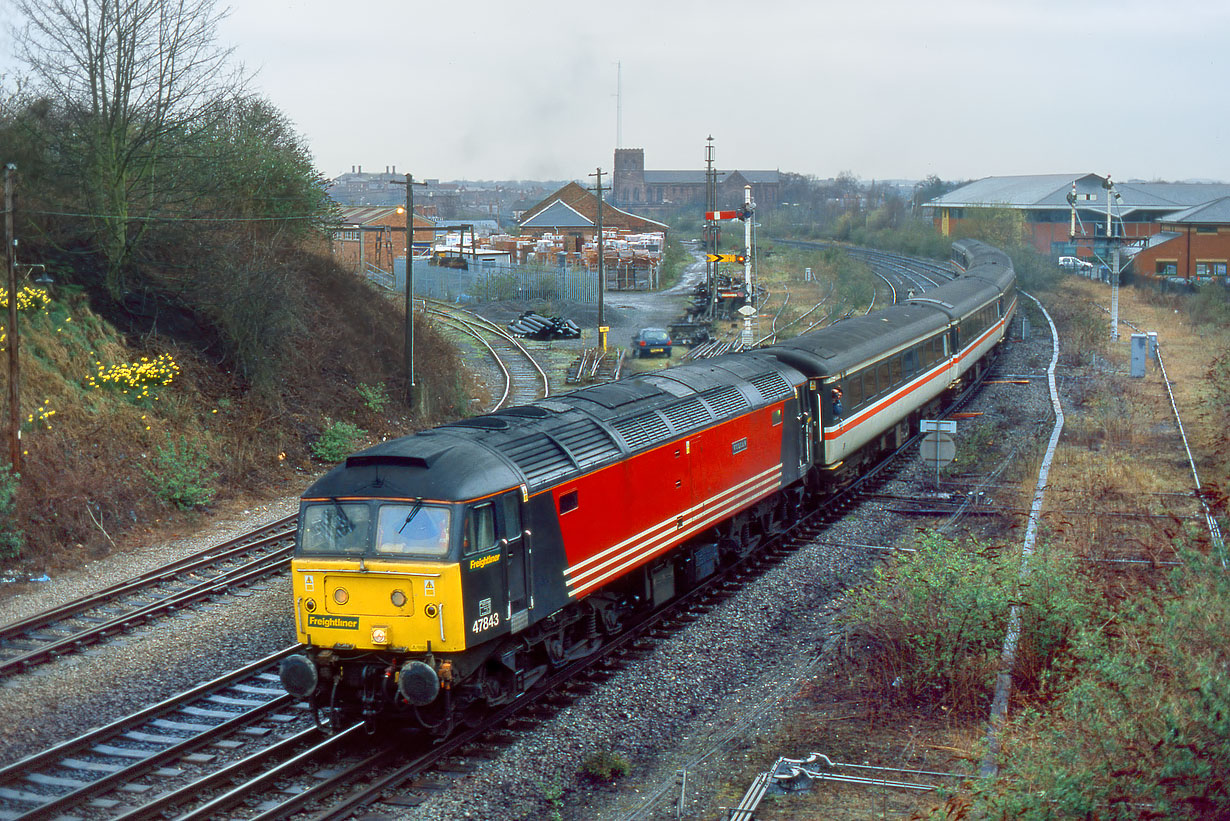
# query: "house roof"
[[558, 214], [583, 201], [365, 214]]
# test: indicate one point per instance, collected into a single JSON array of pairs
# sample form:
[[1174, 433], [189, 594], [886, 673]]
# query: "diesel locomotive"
[[455, 567]]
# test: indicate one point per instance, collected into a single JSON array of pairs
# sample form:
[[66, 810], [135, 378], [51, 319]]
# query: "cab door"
[[518, 567]]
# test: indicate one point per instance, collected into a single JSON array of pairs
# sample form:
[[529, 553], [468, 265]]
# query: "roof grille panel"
[[643, 430], [685, 416], [772, 386], [588, 442], [539, 457], [725, 401]]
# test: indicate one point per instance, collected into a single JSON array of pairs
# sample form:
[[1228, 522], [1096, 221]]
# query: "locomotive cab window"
[[333, 528], [480, 530], [413, 529], [568, 502]]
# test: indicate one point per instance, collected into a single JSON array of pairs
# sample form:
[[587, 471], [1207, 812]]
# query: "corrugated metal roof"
[[363, 214], [1216, 212], [1048, 191]]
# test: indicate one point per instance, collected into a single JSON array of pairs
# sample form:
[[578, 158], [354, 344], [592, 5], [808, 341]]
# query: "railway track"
[[242, 747], [70, 628], [508, 363]]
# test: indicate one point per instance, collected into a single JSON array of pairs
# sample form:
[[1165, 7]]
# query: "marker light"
[[398, 598], [341, 596], [380, 635]]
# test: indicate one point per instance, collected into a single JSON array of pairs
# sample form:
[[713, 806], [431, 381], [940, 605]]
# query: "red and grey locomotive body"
[[459, 565]]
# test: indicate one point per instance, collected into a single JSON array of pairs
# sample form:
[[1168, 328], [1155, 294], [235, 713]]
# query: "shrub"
[[337, 441], [932, 623], [375, 397], [1142, 729], [179, 474], [12, 540], [606, 766]]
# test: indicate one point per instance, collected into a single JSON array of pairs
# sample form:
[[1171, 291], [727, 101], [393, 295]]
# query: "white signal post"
[[748, 208]]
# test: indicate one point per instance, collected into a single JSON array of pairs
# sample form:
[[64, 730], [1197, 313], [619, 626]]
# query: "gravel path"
[[699, 700]]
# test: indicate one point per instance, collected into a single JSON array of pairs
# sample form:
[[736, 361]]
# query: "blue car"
[[651, 342]]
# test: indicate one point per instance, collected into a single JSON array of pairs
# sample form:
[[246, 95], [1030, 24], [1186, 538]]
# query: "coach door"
[[519, 572], [808, 424]]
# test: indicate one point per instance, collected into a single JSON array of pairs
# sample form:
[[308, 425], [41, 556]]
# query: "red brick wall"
[[1188, 252]]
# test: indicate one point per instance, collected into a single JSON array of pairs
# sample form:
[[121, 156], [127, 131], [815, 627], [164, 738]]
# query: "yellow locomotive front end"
[[378, 603]]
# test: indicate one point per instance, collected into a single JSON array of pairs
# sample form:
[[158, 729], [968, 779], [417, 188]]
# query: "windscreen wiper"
[[414, 511]]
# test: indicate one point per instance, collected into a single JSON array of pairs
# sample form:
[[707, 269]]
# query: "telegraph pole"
[[602, 326], [10, 249], [409, 183]]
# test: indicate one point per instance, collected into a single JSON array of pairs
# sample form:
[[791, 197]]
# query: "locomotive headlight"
[[398, 598], [380, 635], [431, 610], [309, 605], [341, 596]]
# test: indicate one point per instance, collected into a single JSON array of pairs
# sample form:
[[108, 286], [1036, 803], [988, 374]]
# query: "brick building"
[[573, 211], [633, 186], [1193, 245], [375, 235], [1143, 211]]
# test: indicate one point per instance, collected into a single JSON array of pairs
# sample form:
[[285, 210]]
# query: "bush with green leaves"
[[930, 626], [606, 766], [12, 540], [375, 397], [337, 441], [179, 473], [1139, 727]]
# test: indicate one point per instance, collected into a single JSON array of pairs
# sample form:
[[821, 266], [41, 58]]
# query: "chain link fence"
[[494, 281]]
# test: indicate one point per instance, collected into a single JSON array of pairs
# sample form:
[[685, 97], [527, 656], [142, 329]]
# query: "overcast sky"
[[881, 88]]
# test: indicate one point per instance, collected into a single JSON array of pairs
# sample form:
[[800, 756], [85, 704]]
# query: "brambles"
[[375, 397], [606, 766], [337, 441], [12, 540], [937, 618], [179, 474]]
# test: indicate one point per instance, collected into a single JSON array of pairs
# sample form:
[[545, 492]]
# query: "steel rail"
[[60, 754], [164, 573], [258, 568]]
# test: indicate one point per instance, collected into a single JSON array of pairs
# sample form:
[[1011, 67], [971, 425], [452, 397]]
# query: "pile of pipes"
[[535, 326]]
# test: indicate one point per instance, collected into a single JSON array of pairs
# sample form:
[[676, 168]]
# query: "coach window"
[[852, 390], [909, 360], [480, 530], [894, 371], [883, 380]]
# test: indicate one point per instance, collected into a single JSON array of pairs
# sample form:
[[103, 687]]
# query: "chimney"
[[360, 169]]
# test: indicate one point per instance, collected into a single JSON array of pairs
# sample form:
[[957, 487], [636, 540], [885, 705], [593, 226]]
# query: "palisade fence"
[[486, 281]]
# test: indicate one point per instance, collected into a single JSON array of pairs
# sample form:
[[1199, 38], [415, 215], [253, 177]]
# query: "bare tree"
[[129, 76]]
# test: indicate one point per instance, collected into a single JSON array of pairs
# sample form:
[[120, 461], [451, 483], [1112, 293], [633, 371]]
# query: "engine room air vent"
[[772, 386], [643, 430], [686, 416], [725, 401], [484, 422], [588, 442], [539, 457]]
